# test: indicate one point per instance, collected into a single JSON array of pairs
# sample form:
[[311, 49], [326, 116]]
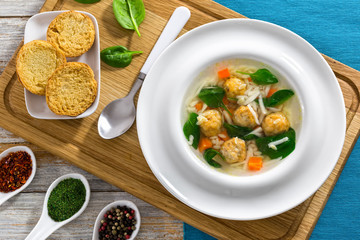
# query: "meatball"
[[275, 123], [234, 150], [210, 122], [234, 86], [244, 118]]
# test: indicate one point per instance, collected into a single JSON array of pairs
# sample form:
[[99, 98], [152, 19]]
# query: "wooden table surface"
[[20, 214]]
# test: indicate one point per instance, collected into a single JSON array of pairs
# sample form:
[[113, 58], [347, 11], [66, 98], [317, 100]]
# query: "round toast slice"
[[35, 63], [72, 32], [71, 89]]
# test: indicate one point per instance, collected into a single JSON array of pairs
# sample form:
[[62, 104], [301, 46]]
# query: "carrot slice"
[[199, 106], [224, 73], [255, 163], [271, 92], [204, 144]]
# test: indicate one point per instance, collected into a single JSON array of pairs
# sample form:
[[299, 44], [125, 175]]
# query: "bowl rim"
[[175, 192]]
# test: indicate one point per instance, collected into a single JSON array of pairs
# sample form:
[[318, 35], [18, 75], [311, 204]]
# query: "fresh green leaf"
[[87, 1], [283, 149], [240, 132], [191, 128], [262, 77], [129, 13], [213, 97], [117, 56], [278, 98], [209, 154]]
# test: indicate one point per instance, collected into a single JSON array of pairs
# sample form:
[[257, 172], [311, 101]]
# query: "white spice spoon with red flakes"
[[6, 196]]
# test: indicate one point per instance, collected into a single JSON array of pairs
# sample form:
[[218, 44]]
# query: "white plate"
[[160, 118], [35, 29]]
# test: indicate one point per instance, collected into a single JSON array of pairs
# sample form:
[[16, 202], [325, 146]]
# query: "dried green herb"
[[66, 199]]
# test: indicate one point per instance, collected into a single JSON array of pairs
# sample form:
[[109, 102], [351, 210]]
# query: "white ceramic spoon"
[[46, 225], [6, 196], [113, 205]]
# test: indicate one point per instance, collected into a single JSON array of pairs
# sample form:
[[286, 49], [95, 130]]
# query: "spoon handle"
[[176, 22], [4, 198], [42, 230]]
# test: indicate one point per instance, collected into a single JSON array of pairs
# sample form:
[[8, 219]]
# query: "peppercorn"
[[118, 223]]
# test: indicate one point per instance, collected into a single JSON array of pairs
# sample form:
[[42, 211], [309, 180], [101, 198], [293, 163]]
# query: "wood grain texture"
[[11, 35], [10, 8], [19, 215], [115, 160], [23, 211]]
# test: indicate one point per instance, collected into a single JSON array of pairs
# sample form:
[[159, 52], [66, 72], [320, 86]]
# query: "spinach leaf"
[[191, 128], [240, 132], [283, 149], [209, 154], [213, 97], [262, 77], [129, 13], [278, 98], [117, 56], [87, 1]]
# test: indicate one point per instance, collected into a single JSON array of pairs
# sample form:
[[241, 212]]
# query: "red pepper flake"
[[15, 170]]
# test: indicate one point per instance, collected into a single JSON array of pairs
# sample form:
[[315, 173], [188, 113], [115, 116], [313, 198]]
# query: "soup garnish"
[[240, 119]]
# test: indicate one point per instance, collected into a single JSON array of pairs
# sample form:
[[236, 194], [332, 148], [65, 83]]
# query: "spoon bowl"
[[46, 225], [116, 118], [6, 196], [113, 205]]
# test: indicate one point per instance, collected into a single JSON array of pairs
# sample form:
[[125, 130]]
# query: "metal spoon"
[[118, 116]]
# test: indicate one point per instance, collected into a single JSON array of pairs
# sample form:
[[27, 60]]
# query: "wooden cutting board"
[[120, 161]]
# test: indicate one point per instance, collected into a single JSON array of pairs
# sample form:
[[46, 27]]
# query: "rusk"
[[35, 63], [71, 89], [72, 32]]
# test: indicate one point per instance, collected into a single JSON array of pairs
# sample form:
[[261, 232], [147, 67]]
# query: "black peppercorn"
[[118, 223]]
